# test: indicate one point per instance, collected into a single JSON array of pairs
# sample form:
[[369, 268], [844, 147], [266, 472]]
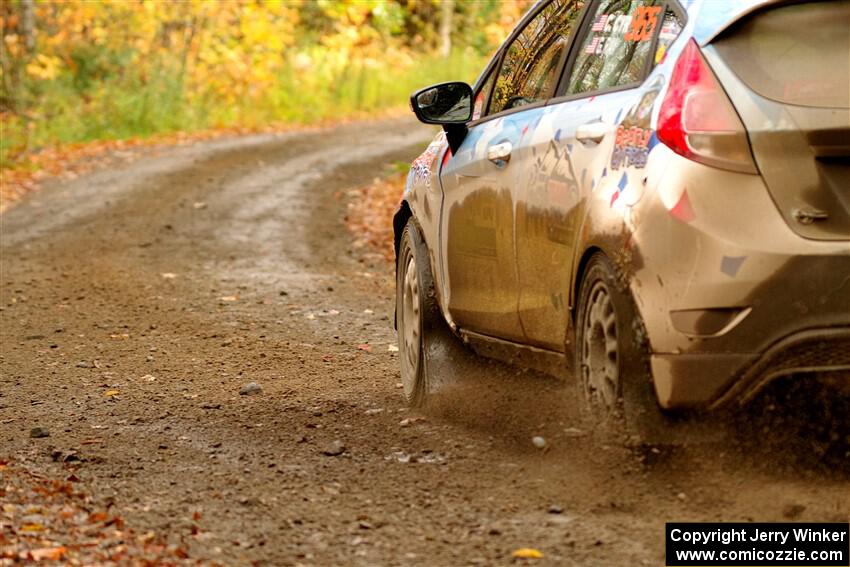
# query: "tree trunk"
[[28, 24], [7, 94], [447, 9]]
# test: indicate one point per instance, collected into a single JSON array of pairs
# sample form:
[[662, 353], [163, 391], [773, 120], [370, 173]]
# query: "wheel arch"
[[400, 218], [581, 266]]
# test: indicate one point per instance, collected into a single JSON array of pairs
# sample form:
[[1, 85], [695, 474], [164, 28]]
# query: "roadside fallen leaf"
[[120, 336], [370, 216], [110, 393], [114, 521], [574, 432], [47, 553], [527, 553], [97, 517], [365, 347], [79, 532], [229, 298], [392, 348]]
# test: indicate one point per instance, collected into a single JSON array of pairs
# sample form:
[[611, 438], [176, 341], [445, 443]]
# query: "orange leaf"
[[48, 553], [98, 517]]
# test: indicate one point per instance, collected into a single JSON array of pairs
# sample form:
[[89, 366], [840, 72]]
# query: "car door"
[[596, 133], [481, 180]]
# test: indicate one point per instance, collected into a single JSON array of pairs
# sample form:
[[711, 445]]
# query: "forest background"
[[88, 71]]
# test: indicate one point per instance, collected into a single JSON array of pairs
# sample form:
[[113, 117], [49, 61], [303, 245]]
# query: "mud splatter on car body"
[[737, 264]]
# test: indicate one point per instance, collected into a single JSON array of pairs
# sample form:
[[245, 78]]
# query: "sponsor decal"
[[631, 147], [422, 167], [730, 265], [621, 186], [635, 139], [683, 210]]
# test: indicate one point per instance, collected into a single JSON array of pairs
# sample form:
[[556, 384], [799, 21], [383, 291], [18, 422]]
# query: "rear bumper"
[[717, 381], [731, 298]]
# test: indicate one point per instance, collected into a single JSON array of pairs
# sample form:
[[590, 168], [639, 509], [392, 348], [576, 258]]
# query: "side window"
[[617, 46], [530, 68], [483, 95], [670, 30]]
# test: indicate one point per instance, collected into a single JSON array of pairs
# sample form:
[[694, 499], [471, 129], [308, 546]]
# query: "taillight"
[[697, 119]]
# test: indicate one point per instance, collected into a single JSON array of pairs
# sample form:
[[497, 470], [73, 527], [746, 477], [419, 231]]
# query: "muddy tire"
[[612, 362], [418, 314]]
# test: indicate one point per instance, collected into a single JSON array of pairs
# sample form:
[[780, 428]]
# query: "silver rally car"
[[656, 195]]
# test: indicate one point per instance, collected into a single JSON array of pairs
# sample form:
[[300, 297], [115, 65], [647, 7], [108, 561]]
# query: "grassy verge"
[[131, 107], [68, 126]]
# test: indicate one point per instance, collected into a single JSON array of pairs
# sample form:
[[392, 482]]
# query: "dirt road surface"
[[139, 300]]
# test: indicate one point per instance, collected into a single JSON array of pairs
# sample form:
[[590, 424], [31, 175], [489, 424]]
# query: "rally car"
[[654, 193]]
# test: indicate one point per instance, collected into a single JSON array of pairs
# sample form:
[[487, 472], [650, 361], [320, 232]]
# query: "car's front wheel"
[[612, 366], [416, 311]]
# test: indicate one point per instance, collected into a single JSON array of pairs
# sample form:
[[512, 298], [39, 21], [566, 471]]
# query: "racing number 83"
[[643, 23]]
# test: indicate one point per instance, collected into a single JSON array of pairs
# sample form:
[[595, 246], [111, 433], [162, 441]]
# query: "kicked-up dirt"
[[141, 303]]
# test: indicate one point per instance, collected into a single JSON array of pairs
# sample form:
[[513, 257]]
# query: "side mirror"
[[446, 103]]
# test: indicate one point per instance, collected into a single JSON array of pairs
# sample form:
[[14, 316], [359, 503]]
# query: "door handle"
[[591, 133], [500, 154]]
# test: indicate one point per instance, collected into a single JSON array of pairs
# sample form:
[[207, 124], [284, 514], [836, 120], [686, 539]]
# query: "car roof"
[[714, 16], [711, 16]]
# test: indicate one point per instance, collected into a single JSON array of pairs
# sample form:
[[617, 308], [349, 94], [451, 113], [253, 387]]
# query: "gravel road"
[[136, 303]]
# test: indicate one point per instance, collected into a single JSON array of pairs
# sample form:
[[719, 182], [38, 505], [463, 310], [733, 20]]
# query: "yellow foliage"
[[116, 69], [232, 47], [44, 67]]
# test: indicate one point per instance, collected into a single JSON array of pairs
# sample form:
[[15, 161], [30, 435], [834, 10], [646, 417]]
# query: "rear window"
[[795, 54]]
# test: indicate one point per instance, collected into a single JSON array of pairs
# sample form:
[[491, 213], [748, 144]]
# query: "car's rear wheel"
[[417, 312], [612, 365]]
